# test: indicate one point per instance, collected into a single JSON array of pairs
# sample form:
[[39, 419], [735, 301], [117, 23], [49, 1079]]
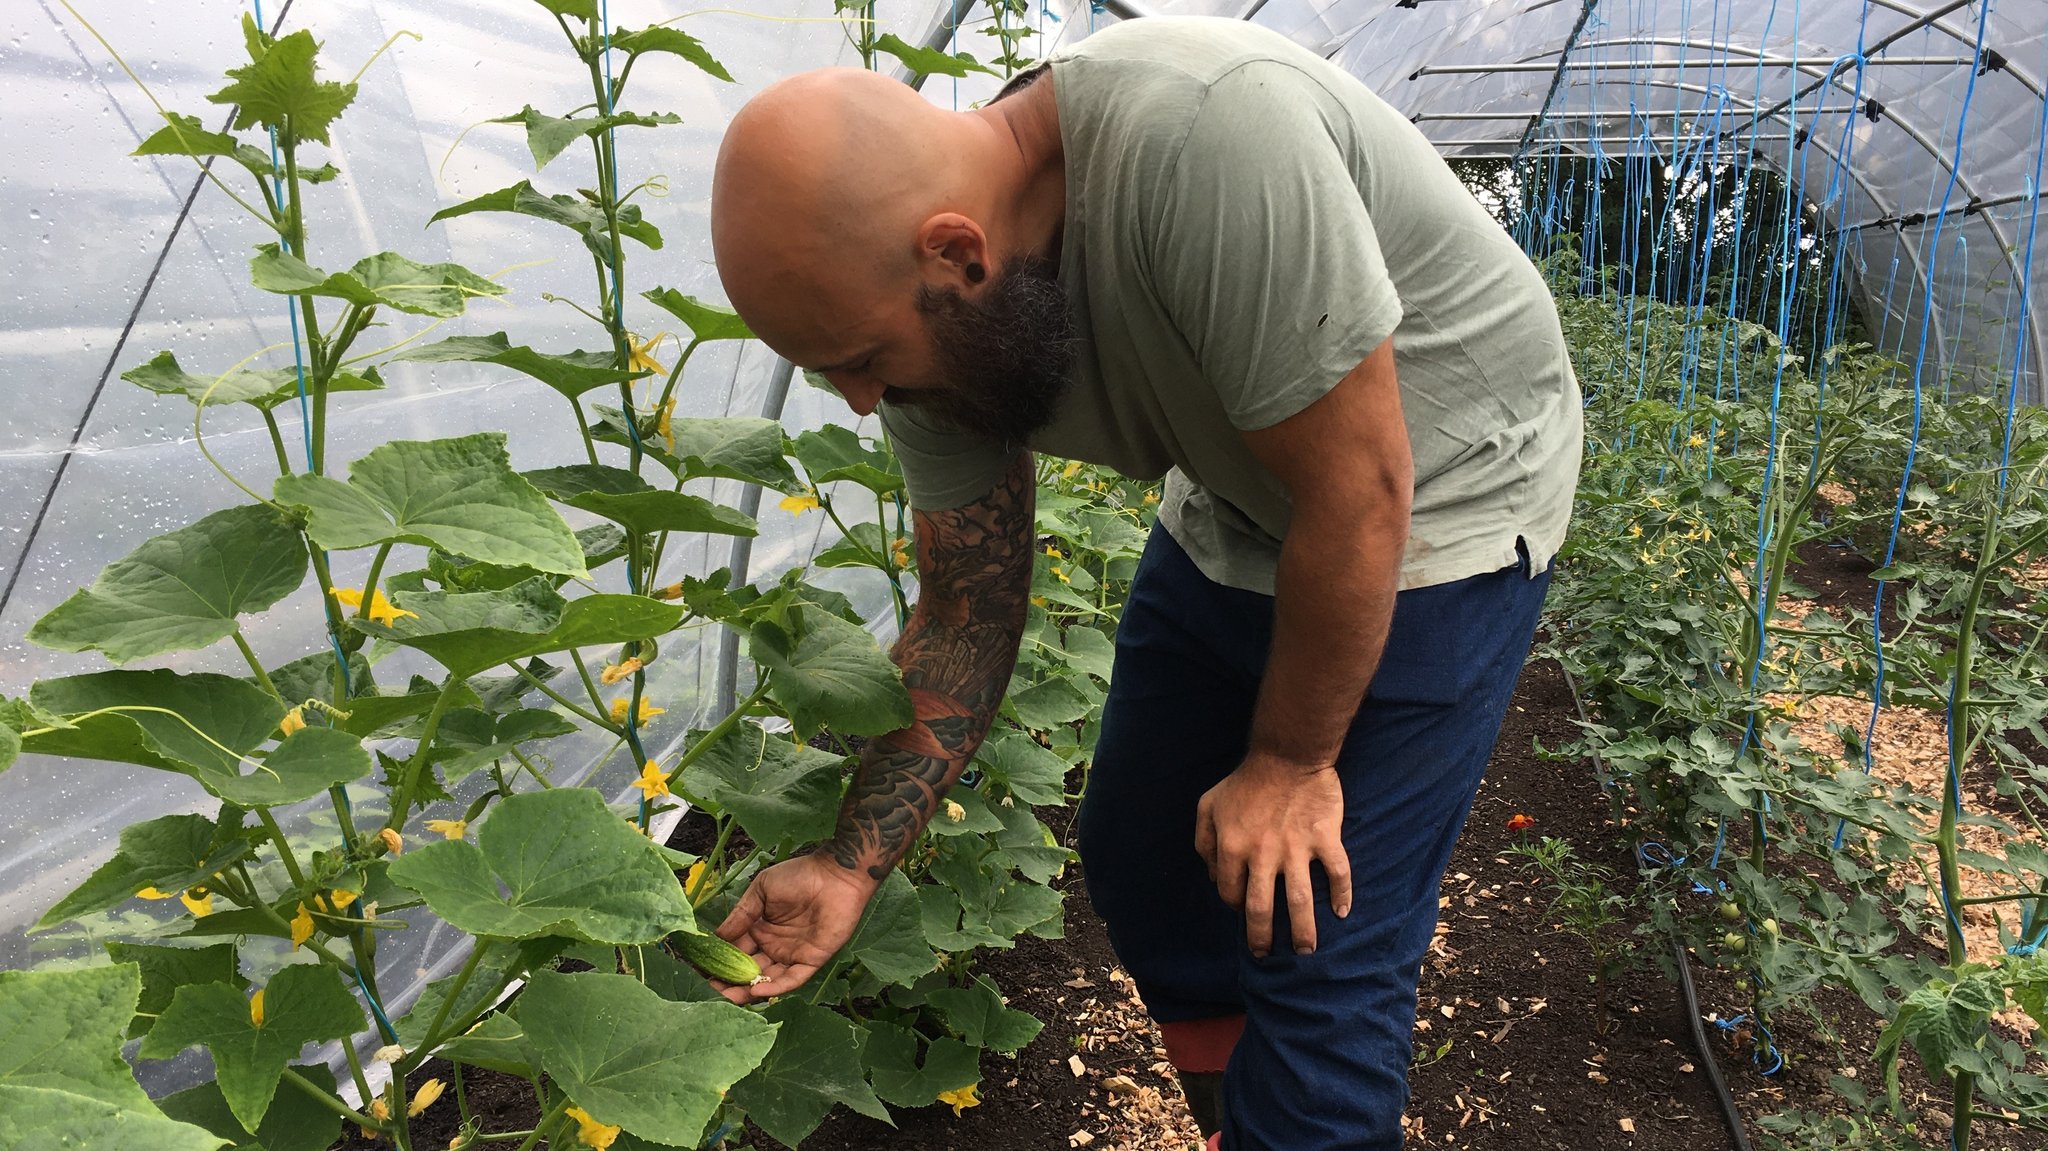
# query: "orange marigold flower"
[[1521, 822]]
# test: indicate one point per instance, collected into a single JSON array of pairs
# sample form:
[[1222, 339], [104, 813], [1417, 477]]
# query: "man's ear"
[[953, 250]]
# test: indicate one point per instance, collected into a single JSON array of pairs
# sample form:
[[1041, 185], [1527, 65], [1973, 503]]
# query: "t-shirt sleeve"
[[1265, 256], [943, 467]]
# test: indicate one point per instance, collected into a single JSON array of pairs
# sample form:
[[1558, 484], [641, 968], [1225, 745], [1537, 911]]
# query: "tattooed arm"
[[956, 652]]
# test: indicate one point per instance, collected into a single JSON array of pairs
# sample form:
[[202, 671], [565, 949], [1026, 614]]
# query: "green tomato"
[[1734, 941], [1771, 928], [1731, 911]]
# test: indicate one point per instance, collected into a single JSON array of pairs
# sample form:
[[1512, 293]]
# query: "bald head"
[[822, 184], [899, 248]]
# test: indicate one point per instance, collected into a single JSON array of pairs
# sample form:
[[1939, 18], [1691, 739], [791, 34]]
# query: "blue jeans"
[[1322, 1062]]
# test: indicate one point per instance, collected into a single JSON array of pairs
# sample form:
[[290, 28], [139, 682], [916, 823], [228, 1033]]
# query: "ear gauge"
[[976, 273]]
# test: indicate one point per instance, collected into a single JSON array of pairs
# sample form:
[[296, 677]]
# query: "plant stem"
[[712, 859], [370, 581], [589, 684], [256, 665], [284, 849], [718, 731], [355, 1069], [548, 1120], [328, 1101], [538, 777], [541, 686], [284, 462], [401, 803], [434, 1036]]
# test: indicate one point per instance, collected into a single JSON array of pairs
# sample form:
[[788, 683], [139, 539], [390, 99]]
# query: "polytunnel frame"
[[1988, 60]]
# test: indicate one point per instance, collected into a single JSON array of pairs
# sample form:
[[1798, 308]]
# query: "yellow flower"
[[961, 1099], [256, 1008], [614, 672], [392, 840], [448, 828], [1635, 531], [693, 877], [647, 710], [1054, 552], [1072, 469], [643, 354], [294, 721], [389, 1053], [339, 899], [798, 505], [664, 422], [198, 901], [302, 927], [955, 812], [381, 610], [592, 1133], [428, 1092], [153, 893], [1706, 533], [1040, 600], [901, 557], [1151, 497], [672, 591], [378, 1111], [1655, 502], [653, 781], [1060, 575]]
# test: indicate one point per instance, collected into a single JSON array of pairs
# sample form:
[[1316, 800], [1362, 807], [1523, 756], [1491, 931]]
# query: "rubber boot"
[[1204, 1092]]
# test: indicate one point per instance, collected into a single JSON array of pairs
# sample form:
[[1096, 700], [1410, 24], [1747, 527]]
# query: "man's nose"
[[860, 395]]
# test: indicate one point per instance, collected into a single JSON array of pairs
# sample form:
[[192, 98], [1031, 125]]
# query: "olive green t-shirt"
[[1245, 223]]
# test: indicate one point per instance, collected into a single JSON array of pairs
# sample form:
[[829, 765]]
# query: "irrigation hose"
[[1730, 1114]]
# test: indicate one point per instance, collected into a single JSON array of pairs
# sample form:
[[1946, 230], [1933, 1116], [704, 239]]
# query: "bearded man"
[[1185, 248]]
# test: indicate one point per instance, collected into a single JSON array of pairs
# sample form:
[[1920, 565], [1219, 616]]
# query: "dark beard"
[[1005, 361]]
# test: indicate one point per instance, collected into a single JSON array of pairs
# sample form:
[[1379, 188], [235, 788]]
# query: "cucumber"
[[717, 958]]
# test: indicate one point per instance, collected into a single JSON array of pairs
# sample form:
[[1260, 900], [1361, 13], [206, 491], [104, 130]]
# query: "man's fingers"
[[1301, 906], [1228, 872], [781, 980], [1258, 912], [1337, 865], [1205, 836]]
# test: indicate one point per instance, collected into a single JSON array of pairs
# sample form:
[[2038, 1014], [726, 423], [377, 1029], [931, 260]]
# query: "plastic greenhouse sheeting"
[[108, 258]]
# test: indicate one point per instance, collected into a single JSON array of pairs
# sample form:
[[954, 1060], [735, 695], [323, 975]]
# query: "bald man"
[[1186, 249]]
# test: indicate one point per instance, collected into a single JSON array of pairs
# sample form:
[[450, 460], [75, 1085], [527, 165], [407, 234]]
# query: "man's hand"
[[1267, 821], [793, 919]]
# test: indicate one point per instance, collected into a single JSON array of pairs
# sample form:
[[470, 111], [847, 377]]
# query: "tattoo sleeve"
[[957, 653]]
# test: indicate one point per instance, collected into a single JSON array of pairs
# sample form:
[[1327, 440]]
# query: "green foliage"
[[302, 1004]]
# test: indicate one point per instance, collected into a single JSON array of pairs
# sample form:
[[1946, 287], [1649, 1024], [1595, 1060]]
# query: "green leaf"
[[170, 853], [165, 969], [673, 41], [573, 9], [263, 389], [1046, 706], [890, 942], [623, 497], [744, 448], [570, 373], [835, 453], [707, 322], [579, 215], [386, 278], [630, 1058], [864, 546], [546, 135], [1030, 772], [295, 1121], [781, 792], [183, 136], [232, 718], [891, 1059], [1088, 650], [62, 1030], [460, 495], [304, 1003], [830, 673], [278, 90], [34, 1118], [468, 632], [550, 863], [929, 61], [814, 1065], [306, 764], [495, 1044], [182, 590], [977, 1015], [469, 738]]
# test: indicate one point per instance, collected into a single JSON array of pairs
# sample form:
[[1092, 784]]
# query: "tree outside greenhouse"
[[468, 608]]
